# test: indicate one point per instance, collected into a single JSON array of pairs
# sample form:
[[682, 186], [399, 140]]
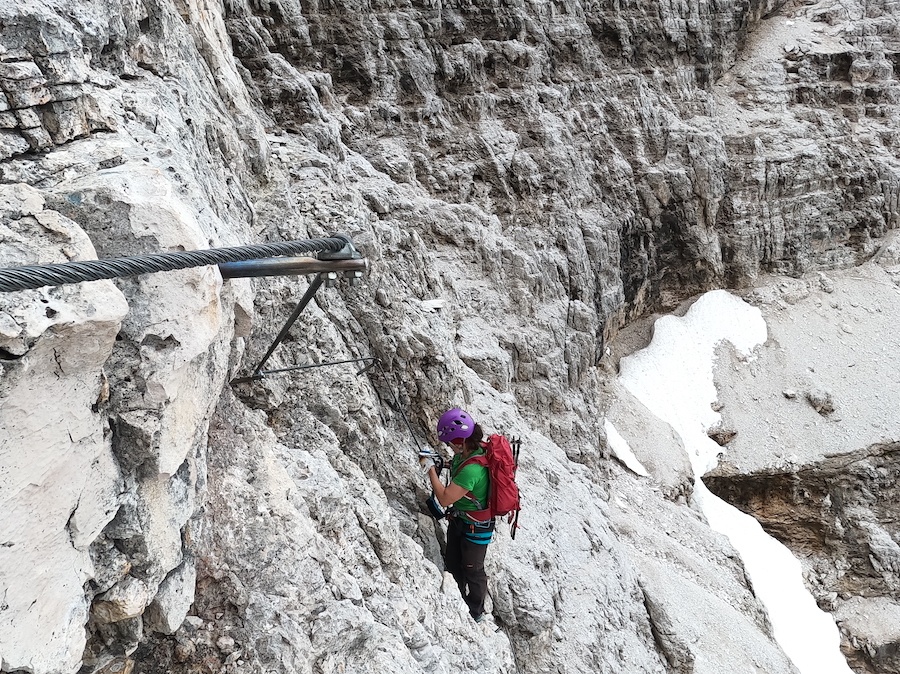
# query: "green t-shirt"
[[473, 477]]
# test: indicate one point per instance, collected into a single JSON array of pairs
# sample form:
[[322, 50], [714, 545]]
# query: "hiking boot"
[[479, 617]]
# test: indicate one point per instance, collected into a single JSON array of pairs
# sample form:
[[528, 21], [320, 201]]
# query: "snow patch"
[[673, 377], [433, 305], [622, 450]]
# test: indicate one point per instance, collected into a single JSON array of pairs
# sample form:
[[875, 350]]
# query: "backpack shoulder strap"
[[480, 459]]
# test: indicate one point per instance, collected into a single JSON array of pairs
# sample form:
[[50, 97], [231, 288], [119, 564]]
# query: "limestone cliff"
[[550, 172]]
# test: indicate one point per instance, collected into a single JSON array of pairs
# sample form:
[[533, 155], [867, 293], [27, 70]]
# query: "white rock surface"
[[126, 599], [173, 600], [60, 483], [175, 317]]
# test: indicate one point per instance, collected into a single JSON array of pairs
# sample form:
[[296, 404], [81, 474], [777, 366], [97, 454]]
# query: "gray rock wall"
[[525, 179]]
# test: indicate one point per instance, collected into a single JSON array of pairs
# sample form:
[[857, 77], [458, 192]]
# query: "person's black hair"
[[473, 442]]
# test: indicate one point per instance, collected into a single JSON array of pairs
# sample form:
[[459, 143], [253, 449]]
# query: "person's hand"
[[427, 463], [428, 459]]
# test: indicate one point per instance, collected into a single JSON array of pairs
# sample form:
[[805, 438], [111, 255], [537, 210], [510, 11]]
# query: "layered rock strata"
[[525, 179]]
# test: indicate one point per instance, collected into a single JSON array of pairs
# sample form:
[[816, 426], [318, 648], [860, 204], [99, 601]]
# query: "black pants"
[[465, 561]]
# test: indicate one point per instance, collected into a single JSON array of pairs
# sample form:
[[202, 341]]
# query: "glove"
[[428, 458], [437, 512], [428, 462]]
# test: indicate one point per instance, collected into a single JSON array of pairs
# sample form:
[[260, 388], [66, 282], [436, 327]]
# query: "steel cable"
[[36, 276]]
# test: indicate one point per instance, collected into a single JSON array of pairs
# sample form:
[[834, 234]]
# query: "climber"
[[467, 492]]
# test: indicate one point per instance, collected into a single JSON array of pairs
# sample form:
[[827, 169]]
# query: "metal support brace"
[[301, 305], [326, 265], [256, 376], [349, 254], [293, 266]]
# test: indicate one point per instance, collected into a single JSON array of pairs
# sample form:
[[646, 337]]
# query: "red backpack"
[[501, 458]]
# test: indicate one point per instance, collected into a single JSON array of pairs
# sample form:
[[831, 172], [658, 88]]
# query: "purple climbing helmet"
[[455, 424]]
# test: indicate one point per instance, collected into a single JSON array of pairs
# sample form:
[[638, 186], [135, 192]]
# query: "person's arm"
[[445, 495]]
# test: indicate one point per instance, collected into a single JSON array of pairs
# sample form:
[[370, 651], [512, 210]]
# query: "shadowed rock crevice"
[[668, 640]]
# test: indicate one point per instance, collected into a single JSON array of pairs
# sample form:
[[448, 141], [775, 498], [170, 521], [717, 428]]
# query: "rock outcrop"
[[822, 480], [60, 482], [527, 181]]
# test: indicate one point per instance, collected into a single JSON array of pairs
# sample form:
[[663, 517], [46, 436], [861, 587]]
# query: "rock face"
[[822, 480], [526, 181], [60, 482], [838, 517]]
